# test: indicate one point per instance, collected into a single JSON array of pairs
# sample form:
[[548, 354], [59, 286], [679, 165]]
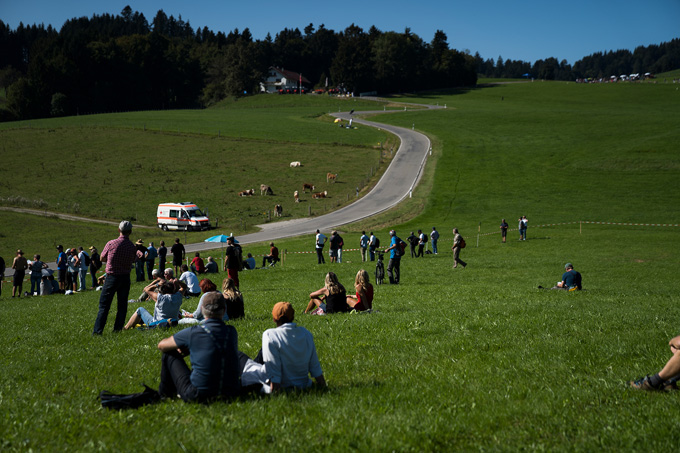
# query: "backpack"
[[462, 243], [402, 247], [87, 260], [377, 242], [132, 401]]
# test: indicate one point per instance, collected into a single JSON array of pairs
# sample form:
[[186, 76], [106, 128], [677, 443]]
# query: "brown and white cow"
[[295, 164], [320, 194], [246, 193], [296, 196], [306, 186], [278, 210], [331, 177], [266, 190]]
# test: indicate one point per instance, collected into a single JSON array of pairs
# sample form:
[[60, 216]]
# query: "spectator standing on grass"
[[422, 240], [213, 350], [334, 245], [2, 272], [73, 270], [139, 264], [95, 265], [434, 237], [150, 258], [458, 242], [504, 229], [373, 243], [83, 264], [320, 242], [36, 268], [232, 262], [394, 265], [665, 379], [273, 256], [363, 245], [525, 224], [178, 254], [197, 264], [61, 267], [412, 244], [119, 255], [162, 255], [341, 244], [190, 279]]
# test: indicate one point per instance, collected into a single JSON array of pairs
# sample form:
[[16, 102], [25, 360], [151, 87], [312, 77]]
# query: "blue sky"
[[520, 30]]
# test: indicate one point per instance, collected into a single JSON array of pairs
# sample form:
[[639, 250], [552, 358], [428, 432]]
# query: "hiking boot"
[[644, 384]]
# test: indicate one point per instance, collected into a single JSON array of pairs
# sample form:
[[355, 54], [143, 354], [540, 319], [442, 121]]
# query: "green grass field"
[[464, 359]]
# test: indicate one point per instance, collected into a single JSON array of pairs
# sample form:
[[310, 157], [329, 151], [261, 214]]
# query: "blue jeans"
[[149, 268], [114, 284], [139, 270], [35, 284], [434, 246], [83, 277], [147, 318], [372, 252]]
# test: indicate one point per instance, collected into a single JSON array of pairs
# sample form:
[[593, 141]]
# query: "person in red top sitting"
[[364, 296], [197, 265], [273, 256]]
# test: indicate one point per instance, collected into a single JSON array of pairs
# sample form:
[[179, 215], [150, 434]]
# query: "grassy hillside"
[[464, 359]]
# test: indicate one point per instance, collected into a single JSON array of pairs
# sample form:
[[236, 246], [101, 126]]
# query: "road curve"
[[397, 182]]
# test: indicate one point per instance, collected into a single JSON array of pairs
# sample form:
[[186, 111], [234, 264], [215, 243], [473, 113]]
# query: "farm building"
[[279, 79]]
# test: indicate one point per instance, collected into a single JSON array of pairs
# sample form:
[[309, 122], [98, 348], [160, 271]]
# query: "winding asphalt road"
[[400, 178]]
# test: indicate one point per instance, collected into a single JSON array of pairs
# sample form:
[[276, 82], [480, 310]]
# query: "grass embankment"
[[463, 359], [107, 166]]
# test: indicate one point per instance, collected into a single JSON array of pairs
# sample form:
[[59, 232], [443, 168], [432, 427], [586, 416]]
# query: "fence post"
[[479, 231], [580, 227]]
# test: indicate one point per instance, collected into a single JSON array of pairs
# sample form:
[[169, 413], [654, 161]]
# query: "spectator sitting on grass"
[[571, 280], [153, 286], [667, 377], [191, 281], [363, 300], [167, 304], [207, 286], [211, 267], [213, 349], [249, 263], [289, 352], [332, 298], [234, 299], [197, 265], [273, 256]]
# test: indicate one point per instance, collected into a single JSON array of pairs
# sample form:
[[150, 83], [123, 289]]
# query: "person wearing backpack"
[[84, 265], [150, 257], [373, 243], [396, 250], [232, 263], [458, 243], [95, 265], [422, 240]]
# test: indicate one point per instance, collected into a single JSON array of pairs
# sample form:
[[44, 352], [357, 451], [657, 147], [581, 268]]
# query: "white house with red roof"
[[281, 79]]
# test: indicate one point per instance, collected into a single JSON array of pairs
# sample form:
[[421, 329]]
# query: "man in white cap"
[[119, 255]]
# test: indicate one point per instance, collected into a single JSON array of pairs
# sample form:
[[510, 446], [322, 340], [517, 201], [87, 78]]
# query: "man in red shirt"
[[119, 255], [273, 256], [197, 264]]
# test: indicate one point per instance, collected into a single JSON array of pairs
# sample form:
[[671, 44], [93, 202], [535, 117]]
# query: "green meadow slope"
[[464, 359]]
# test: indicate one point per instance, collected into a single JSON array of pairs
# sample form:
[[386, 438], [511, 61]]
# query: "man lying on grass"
[[213, 348], [666, 378]]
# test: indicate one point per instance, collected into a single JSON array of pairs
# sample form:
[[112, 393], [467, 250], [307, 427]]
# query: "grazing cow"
[[266, 190], [278, 210], [320, 194], [331, 177], [295, 164], [296, 196], [246, 193], [306, 186]]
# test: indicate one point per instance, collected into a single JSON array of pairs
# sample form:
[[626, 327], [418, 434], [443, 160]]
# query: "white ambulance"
[[181, 216]]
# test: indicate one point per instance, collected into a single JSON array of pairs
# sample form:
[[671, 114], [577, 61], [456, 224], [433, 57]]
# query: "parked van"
[[181, 216]]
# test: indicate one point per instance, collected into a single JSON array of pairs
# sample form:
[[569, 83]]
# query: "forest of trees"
[[123, 62]]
